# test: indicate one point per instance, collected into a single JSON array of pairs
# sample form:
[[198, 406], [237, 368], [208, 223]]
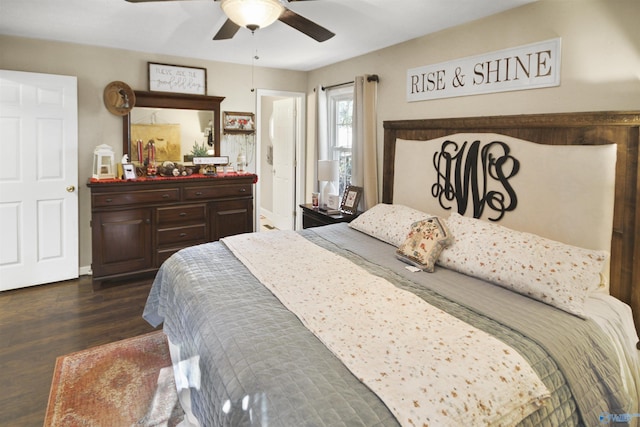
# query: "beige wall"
[[600, 67], [96, 67], [600, 71]]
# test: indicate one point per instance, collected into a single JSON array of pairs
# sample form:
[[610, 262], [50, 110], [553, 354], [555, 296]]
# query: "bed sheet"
[[615, 319]]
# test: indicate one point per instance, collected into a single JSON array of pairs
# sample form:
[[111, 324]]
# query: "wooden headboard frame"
[[593, 128]]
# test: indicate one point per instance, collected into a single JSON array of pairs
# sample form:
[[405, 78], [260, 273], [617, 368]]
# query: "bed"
[[401, 318]]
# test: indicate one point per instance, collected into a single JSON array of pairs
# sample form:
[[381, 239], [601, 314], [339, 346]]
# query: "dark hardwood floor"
[[40, 323]]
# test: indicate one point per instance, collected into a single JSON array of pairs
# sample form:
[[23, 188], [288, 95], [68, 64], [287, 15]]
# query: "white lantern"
[[103, 163]]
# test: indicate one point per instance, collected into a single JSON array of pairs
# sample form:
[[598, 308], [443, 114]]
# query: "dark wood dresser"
[[136, 225]]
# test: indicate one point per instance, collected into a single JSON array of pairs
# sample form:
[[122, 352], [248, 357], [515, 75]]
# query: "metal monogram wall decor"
[[478, 174], [529, 66]]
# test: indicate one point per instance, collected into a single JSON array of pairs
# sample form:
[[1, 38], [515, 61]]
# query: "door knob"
[[71, 189]]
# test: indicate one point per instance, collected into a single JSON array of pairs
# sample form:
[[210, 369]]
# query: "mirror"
[[174, 132], [175, 122]]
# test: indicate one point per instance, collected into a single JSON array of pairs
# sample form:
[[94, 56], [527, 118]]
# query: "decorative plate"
[[119, 98]]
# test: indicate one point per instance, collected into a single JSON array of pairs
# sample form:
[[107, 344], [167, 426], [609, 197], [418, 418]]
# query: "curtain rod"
[[371, 78]]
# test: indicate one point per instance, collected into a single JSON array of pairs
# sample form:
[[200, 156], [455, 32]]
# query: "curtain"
[[321, 131], [364, 148]]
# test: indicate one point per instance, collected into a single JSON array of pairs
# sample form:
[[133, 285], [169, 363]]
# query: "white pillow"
[[389, 223], [552, 272]]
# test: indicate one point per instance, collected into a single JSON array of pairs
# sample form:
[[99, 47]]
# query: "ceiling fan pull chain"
[[253, 59]]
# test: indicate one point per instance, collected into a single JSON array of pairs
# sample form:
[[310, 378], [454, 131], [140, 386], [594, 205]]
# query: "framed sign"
[[177, 79], [237, 122], [211, 160], [531, 66], [350, 199], [129, 171]]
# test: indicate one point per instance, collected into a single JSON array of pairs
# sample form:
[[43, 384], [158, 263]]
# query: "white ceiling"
[[186, 28]]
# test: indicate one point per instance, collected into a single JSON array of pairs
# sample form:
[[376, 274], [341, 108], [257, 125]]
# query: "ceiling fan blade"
[[227, 31], [305, 26], [147, 1]]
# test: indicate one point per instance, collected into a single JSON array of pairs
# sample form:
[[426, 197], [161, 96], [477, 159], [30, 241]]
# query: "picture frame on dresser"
[[129, 170], [351, 199]]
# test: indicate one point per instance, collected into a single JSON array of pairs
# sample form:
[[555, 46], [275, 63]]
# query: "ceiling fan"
[[254, 14]]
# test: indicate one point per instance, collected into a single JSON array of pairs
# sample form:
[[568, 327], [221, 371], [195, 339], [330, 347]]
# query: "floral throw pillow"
[[424, 243]]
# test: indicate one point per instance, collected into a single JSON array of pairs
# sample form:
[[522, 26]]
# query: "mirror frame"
[[179, 101]]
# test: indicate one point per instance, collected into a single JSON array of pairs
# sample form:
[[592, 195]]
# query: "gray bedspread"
[[258, 365]]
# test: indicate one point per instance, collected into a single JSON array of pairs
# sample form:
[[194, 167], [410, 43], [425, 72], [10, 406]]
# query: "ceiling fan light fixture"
[[252, 14]]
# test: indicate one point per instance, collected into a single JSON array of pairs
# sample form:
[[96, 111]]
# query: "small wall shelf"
[[239, 131]]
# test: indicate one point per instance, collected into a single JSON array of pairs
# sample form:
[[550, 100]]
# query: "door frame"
[[300, 153]]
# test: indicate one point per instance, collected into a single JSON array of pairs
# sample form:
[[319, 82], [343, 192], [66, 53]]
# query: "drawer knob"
[[108, 200], [183, 214], [183, 234], [243, 190], [165, 196]]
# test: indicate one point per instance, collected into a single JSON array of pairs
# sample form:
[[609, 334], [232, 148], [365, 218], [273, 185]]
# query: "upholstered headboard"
[[583, 190]]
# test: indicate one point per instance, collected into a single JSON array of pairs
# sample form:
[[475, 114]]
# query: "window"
[[340, 132]]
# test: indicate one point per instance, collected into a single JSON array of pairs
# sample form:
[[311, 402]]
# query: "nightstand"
[[314, 217]]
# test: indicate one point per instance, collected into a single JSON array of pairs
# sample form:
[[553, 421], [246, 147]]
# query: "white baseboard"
[[85, 270], [267, 214]]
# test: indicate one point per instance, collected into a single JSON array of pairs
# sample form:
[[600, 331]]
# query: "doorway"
[[280, 152]]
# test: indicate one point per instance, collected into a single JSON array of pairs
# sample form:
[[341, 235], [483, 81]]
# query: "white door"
[[38, 179], [284, 143]]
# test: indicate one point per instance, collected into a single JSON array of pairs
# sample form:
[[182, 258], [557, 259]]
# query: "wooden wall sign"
[[177, 79], [531, 66]]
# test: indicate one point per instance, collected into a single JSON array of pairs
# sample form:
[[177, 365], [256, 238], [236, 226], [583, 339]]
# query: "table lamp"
[[328, 175]]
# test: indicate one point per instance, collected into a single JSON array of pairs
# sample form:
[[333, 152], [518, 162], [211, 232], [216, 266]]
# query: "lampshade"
[[328, 170], [327, 173], [252, 14]]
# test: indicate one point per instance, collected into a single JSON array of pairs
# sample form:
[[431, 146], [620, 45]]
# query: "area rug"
[[125, 383]]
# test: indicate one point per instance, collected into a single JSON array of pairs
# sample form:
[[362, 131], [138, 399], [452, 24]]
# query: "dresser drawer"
[[164, 254], [137, 197], [181, 215], [218, 191], [179, 235]]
